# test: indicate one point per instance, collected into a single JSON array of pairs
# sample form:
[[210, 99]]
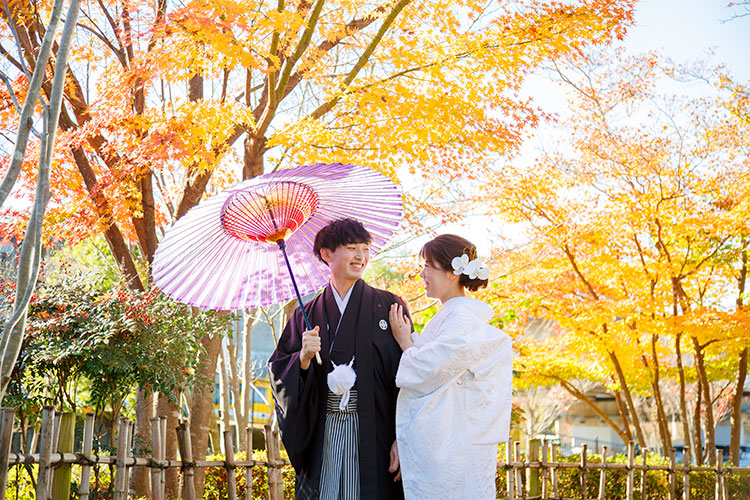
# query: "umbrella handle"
[[282, 246]]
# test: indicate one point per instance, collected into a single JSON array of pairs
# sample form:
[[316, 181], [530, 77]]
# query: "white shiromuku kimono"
[[454, 404]]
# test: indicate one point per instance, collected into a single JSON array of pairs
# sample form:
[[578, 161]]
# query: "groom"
[[340, 436]]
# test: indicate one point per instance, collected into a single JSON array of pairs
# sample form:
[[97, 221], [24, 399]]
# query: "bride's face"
[[438, 283]]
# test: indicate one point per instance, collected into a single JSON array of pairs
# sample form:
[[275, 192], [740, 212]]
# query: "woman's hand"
[[400, 326]]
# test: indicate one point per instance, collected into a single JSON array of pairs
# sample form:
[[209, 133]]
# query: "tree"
[[29, 258], [386, 85], [637, 237]]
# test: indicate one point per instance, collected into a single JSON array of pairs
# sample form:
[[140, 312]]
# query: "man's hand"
[[310, 346], [395, 465]]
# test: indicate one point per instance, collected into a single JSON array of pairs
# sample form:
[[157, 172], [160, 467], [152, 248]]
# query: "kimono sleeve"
[[454, 350], [294, 391]]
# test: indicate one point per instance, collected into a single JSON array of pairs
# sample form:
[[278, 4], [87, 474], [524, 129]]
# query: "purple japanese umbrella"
[[237, 249]]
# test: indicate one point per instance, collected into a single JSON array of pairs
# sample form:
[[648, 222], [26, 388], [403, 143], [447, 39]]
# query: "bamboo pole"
[[157, 454], [273, 456], [249, 456], [45, 470], [84, 488], [532, 475], [163, 435], [672, 478], [554, 471], [65, 443], [603, 474], [6, 439], [230, 465], [121, 479], [509, 470], [520, 490], [631, 462], [719, 490], [584, 459], [545, 470], [686, 474], [186, 455], [644, 456]]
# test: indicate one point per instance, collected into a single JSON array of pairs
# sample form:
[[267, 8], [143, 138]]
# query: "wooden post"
[[55, 436], [545, 470], [230, 465], [273, 458], [509, 470], [554, 471], [157, 454], [532, 475], [671, 472], [584, 460], [65, 442], [84, 488], [163, 435], [6, 439], [186, 455], [603, 474], [644, 455], [631, 462], [517, 469], [121, 476], [719, 494], [45, 471], [249, 470], [686, 474]]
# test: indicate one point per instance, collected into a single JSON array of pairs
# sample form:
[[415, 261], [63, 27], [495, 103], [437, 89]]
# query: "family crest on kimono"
[[338, 418], [455, 381]]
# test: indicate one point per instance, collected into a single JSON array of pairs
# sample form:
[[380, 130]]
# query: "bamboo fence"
[[534, 477]]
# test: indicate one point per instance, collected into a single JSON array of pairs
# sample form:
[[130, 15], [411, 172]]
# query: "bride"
[[455, 378]]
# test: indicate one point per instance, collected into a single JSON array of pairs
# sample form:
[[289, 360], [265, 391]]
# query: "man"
[[342, 445]]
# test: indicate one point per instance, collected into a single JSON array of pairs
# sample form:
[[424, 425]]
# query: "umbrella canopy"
[[225, 252]]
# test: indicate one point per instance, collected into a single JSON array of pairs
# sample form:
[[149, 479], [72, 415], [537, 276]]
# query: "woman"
[[455, 379]]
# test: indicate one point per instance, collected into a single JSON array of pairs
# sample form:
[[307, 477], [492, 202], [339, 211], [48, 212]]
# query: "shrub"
[[215, 483]]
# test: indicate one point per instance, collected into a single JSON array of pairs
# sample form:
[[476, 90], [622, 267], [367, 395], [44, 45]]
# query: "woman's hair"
[[441, 251], [339, 233]]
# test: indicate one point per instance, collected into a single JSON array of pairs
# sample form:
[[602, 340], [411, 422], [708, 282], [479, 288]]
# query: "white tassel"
[[341, 380]]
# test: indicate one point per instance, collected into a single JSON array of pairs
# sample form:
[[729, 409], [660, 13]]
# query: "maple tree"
[[163, 100], [638, 247]]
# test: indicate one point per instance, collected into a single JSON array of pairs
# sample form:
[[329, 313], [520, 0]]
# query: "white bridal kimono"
[[454, 404]]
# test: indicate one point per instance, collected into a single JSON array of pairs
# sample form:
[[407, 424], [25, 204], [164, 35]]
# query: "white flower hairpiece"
[[472, 268]]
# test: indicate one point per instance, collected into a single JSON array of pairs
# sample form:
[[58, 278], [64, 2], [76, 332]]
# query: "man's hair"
[[339, 233]]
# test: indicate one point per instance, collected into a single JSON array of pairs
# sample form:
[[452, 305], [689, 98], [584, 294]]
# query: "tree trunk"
[[581, 396], [171, 479], [255, 148], [666, 437], [698, 424], [624, 417], [736, 417], [144, 412], [629, 399], [202, 404], [710, 426], [687, 437]]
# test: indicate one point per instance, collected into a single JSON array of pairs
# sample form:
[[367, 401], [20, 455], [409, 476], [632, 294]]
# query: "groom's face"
[[347, 262]]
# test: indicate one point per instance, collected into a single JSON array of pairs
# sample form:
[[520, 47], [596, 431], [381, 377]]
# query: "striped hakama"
[[339, 476]]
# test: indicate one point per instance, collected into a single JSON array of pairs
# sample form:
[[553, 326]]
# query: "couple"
[[387, 406]]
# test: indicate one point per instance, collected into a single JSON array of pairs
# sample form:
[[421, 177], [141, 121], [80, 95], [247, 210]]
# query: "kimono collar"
[[478, 308]]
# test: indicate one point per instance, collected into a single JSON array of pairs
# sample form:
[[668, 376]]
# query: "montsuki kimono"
[[454, 405], [300, 396]]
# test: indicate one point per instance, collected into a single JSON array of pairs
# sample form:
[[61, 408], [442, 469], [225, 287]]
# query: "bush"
[[215, 483], [702, 484]]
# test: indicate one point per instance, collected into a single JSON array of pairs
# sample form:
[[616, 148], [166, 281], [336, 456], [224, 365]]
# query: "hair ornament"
[[472, 268]]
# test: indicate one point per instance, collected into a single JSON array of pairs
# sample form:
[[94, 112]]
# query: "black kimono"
[[300, 396]]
